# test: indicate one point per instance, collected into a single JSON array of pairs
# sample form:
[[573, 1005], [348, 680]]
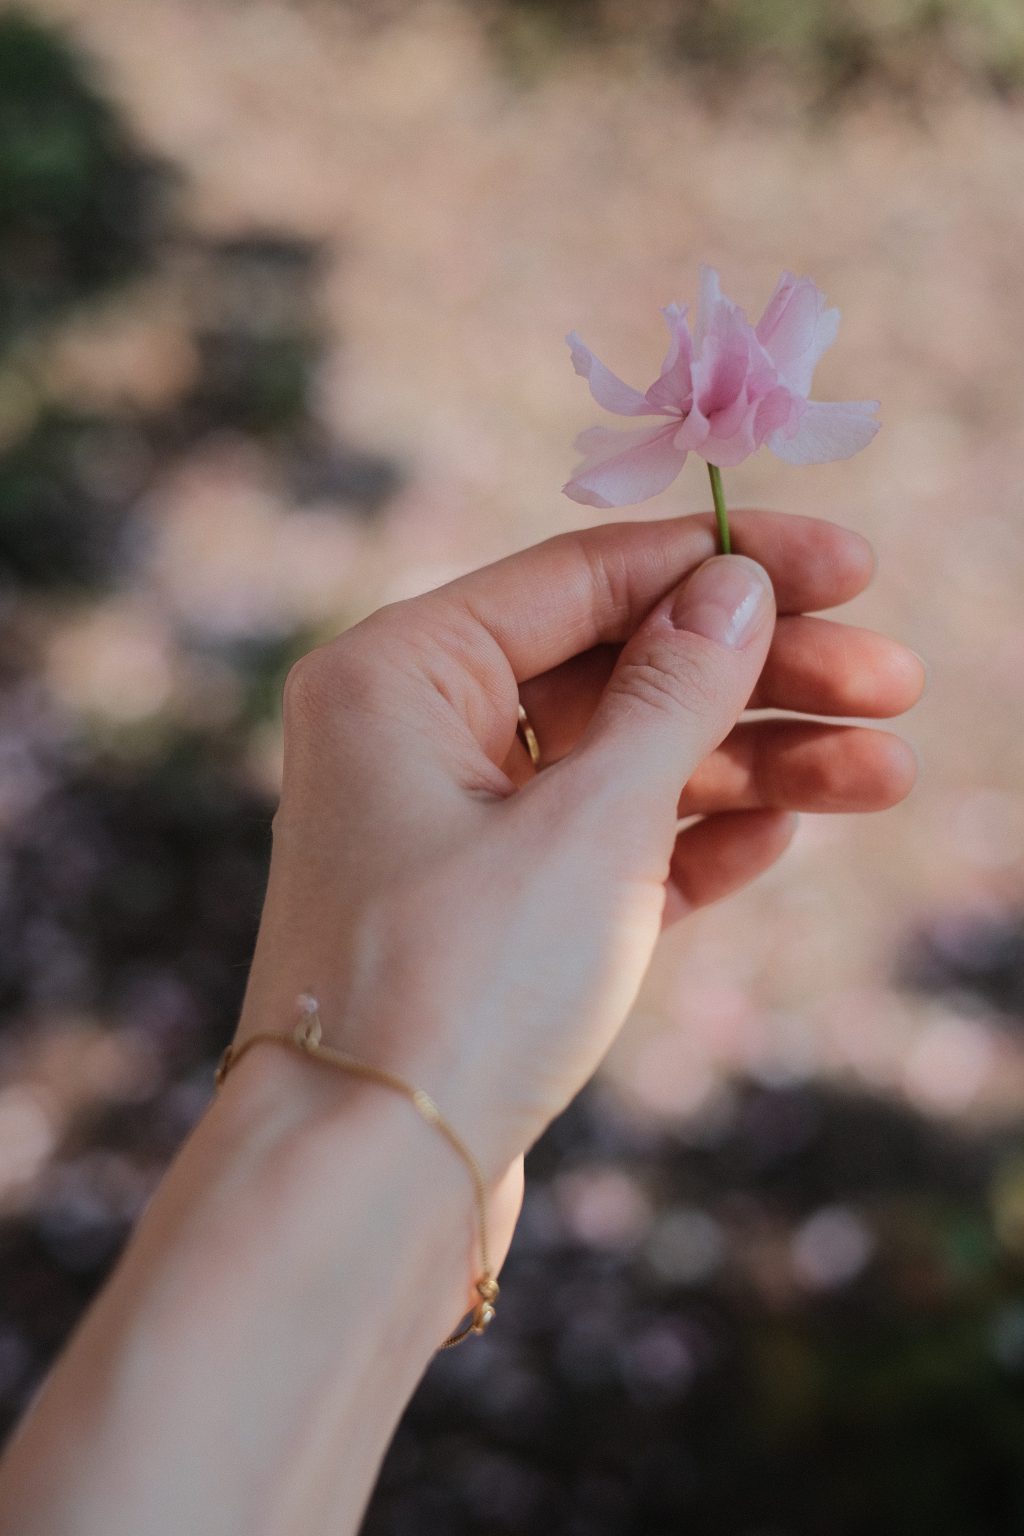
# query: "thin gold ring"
[[529, 737]]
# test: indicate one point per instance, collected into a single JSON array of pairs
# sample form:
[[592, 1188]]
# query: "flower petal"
[[721, 373], [673, 390], [731, 376], [693, 432], [709, 298], [779, 410], [796, 329], [625, 467], [728, 451], [675, 319], [828, 430], [608, 390]]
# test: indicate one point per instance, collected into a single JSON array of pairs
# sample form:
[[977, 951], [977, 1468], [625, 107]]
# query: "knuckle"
[[666, 684], [611, 587], [819, 780], [303, 685], [342, 674], [383, 623]]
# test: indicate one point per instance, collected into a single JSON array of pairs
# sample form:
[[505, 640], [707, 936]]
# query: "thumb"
[[680, 684]]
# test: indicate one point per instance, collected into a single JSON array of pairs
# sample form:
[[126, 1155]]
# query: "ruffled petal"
[[672, 392], [780, 410], [827, 430], [694, 431], [727, 451], [728, 388], [724, 364], [796, 329], [609, 391], [730, 378], [621, 468], [675, 319], [710, 296]]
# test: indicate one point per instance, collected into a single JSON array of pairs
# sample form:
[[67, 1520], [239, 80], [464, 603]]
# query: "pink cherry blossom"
[[722, 392]]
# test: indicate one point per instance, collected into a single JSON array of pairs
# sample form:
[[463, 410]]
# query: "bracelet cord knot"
[[307, 1038]]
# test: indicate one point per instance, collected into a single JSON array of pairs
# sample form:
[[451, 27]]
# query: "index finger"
[[594, 586]]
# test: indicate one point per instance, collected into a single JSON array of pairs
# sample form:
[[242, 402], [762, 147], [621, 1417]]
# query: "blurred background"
[[283, 291]]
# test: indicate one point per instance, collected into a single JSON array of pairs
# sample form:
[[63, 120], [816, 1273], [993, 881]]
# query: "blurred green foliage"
[[77, 196], [840, 43], [65, 488], [827, 46], [83, 210]]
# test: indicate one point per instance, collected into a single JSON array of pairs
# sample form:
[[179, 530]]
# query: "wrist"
[[452, 1065], [307, 1251], [320, 1152]]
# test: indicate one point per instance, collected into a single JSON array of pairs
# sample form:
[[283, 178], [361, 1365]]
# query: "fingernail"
[[726, 600], [925, 668]]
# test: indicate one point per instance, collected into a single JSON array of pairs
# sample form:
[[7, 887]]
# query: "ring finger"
[[801, 765], [814, 666]]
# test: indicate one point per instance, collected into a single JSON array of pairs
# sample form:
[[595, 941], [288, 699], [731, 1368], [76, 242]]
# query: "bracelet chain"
[[307, 1040]]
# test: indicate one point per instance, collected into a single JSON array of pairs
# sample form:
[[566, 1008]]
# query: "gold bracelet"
[[306, 1039]]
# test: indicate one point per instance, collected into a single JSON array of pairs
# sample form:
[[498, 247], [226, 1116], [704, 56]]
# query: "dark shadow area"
[[259, 339], [71, 483], [979, 957], [81, 205], [82, 212], [680, 1381]]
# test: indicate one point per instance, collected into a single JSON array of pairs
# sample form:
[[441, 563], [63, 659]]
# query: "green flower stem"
[[721, 514]]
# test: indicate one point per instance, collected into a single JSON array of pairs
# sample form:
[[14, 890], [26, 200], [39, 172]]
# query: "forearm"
[[244, 1369]]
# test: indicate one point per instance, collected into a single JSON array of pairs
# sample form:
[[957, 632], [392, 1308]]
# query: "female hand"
[[483, 929]]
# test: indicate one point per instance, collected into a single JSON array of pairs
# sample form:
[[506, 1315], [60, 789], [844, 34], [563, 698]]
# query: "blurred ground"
[[284, 290]]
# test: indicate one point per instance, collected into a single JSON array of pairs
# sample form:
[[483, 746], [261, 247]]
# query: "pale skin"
[[481, 929]]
